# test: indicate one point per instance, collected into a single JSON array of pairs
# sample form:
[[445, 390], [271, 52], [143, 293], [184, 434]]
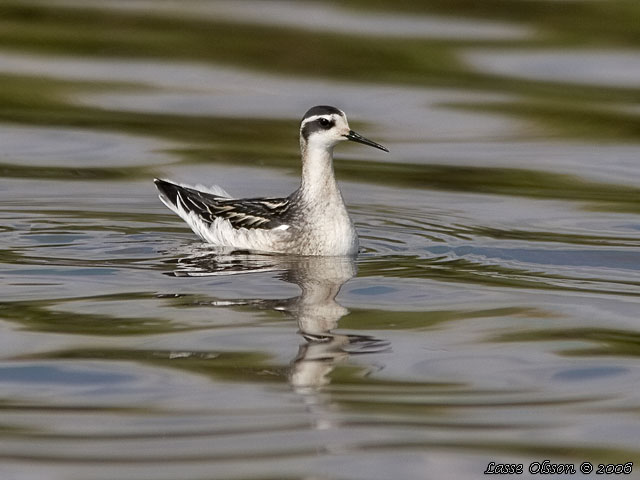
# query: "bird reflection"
[[315, 309]]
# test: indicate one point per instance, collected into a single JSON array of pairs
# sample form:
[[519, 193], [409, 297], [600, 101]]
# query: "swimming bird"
[[313, 220]]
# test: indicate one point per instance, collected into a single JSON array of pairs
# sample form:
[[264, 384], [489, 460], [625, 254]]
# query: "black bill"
[[356, 137]]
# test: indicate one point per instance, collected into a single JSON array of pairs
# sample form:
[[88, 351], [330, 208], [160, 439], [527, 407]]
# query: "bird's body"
[[313, 220]]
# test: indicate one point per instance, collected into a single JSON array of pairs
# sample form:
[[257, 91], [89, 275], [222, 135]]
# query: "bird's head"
[[322, 127]]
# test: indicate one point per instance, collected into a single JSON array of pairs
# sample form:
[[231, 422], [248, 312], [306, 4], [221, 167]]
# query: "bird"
[[312, 221]]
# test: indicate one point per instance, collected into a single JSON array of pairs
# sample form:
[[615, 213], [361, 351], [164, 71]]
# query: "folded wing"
[[249, 213]]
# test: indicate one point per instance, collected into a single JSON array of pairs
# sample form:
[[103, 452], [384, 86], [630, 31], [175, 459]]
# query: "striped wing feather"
[[265, 213]]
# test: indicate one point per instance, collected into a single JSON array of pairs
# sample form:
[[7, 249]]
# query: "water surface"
[[492, 314]]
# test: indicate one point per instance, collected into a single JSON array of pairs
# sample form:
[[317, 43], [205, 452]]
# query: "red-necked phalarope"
[[313, 220]]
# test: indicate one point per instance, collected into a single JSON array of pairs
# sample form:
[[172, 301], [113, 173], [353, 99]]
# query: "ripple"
[[617, 68], [314, 16], [492, 312], [67, 147]]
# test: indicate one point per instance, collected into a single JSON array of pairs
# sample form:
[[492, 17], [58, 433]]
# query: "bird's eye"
[[324, 122]]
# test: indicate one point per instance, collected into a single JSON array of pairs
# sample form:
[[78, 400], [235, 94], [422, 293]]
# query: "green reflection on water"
[[43, 316], [49, 106], [105, 32], [579, 22], [236, 366], [11, 170], [223, 140], [565, 109], [90, 31], [555, 237], [372, 319], [463, 270], [109, 33], [603, 341], [582, 120]]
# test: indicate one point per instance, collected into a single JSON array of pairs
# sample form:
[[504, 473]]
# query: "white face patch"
[[332, 118], [325, 128]]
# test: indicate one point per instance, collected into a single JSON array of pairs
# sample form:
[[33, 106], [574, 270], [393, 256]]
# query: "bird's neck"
[[318, 178]]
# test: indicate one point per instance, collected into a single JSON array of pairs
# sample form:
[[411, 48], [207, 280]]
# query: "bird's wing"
[[264, 213]]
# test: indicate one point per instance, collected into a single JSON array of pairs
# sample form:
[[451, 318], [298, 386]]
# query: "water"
[[492, 314]]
